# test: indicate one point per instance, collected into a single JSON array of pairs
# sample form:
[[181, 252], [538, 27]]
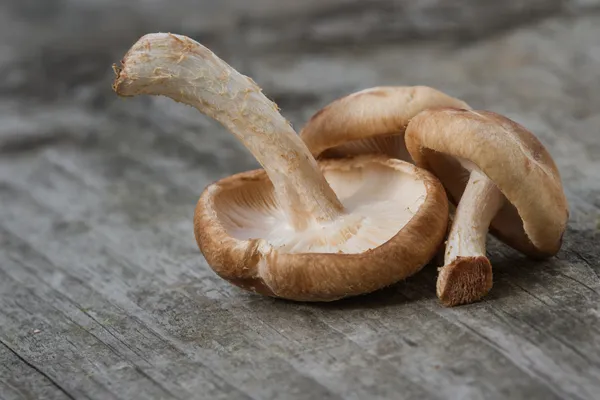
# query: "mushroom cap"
[[371, 121], [445, 141], [395, 221]]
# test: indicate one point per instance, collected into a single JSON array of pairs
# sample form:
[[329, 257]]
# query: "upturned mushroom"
[[501, 178], [371, 121], [295, 229]]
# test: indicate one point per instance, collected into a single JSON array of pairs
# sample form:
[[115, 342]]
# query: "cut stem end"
[[466, 280], [467, 273]]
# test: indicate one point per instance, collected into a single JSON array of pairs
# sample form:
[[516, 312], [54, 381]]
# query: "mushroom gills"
[[389, 145], [379, 201]]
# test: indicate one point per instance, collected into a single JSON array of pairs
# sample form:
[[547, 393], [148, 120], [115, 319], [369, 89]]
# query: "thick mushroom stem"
[[182, 69], [478, 205], [467, 274]]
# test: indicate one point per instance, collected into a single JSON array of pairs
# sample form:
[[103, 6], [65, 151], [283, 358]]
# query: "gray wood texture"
[[103, 292]]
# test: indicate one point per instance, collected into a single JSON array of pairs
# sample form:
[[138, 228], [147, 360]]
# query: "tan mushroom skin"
[[502, 179], [296, 229], [371, 121]]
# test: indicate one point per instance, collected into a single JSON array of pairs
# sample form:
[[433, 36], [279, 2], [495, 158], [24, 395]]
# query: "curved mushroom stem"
[[467, 273], [182, 69]]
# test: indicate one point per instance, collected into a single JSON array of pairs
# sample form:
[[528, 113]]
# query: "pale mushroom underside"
[[379, 200], [389, 145]]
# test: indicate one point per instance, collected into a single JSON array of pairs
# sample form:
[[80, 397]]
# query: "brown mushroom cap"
[[371, 121], [244, 237], [534, 218]]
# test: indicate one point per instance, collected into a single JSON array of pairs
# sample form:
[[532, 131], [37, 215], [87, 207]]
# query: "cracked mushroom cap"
[[371, 121], [448, 141], [395, 220]]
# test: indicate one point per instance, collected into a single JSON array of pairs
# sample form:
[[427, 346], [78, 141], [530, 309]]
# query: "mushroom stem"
[[467, 273], [478, 205], [182, 69]]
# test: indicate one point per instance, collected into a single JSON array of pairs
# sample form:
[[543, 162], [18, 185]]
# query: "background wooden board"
[[103, 292]]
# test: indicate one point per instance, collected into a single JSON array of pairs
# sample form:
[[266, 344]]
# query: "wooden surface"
[[103, 292]]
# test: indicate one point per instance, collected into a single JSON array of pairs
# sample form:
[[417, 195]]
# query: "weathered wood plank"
[[20, 378]]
